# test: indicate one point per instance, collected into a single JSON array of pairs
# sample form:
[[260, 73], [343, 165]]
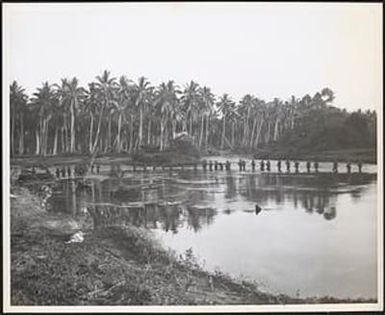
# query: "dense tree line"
[[119, 115]]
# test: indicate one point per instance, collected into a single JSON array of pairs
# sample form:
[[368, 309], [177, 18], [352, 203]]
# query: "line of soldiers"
[[220, 166], [266, 165]]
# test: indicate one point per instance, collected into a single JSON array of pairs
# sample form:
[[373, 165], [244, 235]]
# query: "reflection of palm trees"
[[268, 189], [170, 218], [231, 187], [197, 217]]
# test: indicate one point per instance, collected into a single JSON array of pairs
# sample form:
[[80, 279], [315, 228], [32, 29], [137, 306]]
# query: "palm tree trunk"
[[232, 134], [207, 131], [54, 150], [140, 127], [96, 140], [276, 130], [223, 132], [41, 137], [109, 133], [173, 122], [267, 138], [91, 129], [245, 126], [46, 134], [131, 134], [13, 134], [118, 143], [149, 132], [252, 133], [258, 134], [191, 127], [21, 136], [72, 146], [37, 135], [166, 137], [65, 134], [202, 129], [161, 135]]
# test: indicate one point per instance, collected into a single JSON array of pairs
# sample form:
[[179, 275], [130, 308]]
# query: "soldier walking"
[[348, 167], [268, 165], [288, 166], [279, 165], [308, 165], [359, 167], [253, 165], [296, 166], [240, 165], [316, 166], [335, 167]]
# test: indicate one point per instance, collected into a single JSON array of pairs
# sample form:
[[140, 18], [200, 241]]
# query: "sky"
[[265, 49]]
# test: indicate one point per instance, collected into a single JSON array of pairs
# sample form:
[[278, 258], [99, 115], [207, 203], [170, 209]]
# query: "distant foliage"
[[118, 115]]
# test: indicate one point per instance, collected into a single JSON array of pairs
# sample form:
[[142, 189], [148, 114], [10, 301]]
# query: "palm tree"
[[225, 106], [18, 103], [43, 102], [71, 95], [90, 108], [190, 101], [259, 113], [104, 87], [142, 92], [256, 109], [246, 105], [207, 100], [123, 100], [166, 103], [327, 95]]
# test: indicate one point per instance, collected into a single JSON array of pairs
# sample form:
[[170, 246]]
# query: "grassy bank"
[[112, 266]]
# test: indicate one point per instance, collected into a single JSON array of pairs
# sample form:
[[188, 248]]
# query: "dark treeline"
[[119, 115]]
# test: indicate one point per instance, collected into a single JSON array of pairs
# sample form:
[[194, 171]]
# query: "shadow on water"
[[170, 201]]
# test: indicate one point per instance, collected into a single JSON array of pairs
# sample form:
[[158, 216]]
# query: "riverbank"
[[364, 155], [112, 266], [345, 155]]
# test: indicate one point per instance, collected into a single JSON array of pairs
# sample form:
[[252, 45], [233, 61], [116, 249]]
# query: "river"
[[315, 234]]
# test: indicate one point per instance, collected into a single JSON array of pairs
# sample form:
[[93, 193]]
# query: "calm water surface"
[[314, 235]]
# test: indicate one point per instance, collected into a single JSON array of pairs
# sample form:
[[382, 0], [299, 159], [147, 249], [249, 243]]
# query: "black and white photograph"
[[190, 156]]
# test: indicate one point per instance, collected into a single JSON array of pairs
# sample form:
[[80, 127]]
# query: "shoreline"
[[366, 156], [115, 265]]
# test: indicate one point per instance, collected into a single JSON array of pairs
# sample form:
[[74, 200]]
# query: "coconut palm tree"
[[123, 100], [190, 103], [43, 102], [207, 101], [259, 114], [104, 86], [18, 103], [142, 94], [166, 104], [71, 96], [246, 106], [225, 106]]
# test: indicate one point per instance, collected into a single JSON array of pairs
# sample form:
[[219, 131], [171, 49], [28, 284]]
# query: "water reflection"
[[171, 201]]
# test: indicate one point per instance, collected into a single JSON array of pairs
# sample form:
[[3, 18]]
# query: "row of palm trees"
[[115, 115]]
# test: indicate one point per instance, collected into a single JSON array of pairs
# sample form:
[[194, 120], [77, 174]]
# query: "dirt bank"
[[112, 266]]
